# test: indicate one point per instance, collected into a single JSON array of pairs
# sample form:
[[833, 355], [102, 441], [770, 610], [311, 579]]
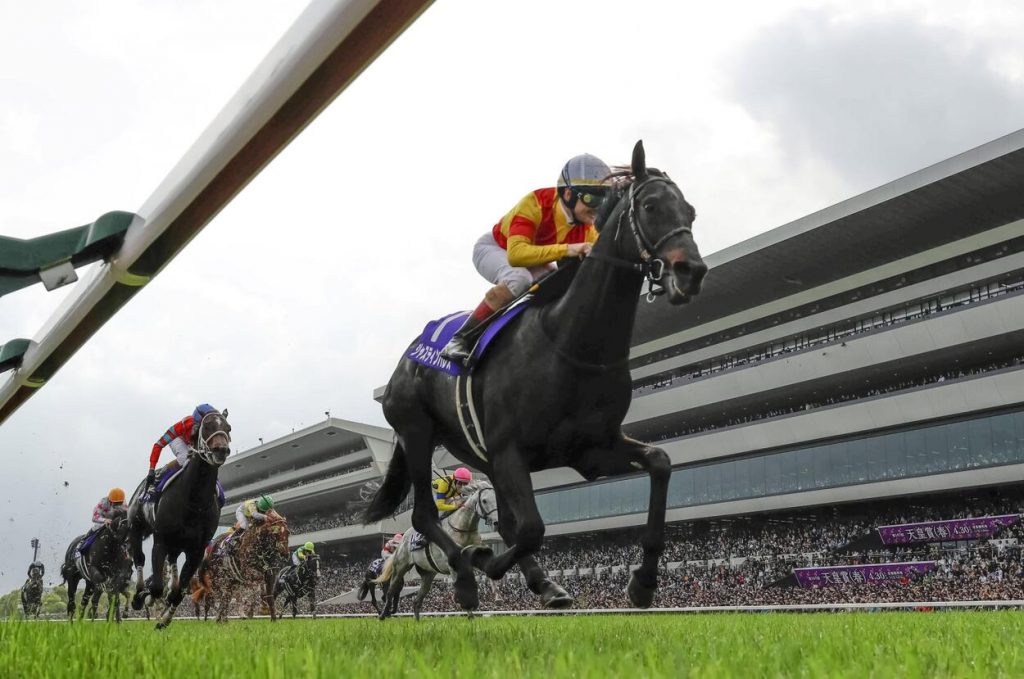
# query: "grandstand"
[[859, 365]]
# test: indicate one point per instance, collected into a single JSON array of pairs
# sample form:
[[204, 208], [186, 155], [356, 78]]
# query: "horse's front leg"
[[424, 519], [624, 457], [175, 595], [268, 587], [552, 595], [519, 523]]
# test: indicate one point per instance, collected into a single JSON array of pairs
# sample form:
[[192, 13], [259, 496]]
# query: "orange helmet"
[[115, 495]]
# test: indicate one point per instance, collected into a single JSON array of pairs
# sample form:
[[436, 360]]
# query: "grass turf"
[[940, 644]]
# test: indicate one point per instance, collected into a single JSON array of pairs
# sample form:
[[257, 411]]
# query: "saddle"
[[436, 334], [167, 475]]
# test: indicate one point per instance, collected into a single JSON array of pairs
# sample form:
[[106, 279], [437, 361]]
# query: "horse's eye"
[[649, 206]]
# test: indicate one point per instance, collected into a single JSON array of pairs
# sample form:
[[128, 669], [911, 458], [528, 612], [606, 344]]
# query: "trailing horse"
[[369, 583], [551, 391], [248, 559], [299, 581], [32, 591], [105, 567], [184, 518], [461, 526]]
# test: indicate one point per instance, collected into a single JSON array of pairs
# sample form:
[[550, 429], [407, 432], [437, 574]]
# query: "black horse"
[[105, 567], [32, 591], [369, 586], [299, 581], [184, 519], [552, 391]]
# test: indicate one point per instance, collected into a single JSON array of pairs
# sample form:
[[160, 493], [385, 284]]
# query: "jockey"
[[448, 490], [391, 545], [179, 436], [544, 227], [103, 513], [252, 510], [302, 553], [447, 496]]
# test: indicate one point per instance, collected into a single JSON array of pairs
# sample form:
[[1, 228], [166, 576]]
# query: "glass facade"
[[986, 441]]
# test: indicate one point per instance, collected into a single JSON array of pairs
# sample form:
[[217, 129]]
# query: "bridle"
[[651, 267], [486, 516], [201, 447]]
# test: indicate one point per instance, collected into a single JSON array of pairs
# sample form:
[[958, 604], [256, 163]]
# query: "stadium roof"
[[330, 439], [964, 195]]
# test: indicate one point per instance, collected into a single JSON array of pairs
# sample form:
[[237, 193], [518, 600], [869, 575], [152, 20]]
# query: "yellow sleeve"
[[592, 234], [522, 252]]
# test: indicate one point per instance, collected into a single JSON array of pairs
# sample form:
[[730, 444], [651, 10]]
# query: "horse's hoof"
[[466, 594], [640, 595], [160, 625], [137, 602], [556, 599]]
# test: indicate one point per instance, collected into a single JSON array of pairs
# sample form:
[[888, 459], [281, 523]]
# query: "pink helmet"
[[398, 536], [462, 475]]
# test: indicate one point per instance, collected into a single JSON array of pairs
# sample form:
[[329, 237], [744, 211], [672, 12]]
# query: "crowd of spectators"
[[750, 561], [832, 335]]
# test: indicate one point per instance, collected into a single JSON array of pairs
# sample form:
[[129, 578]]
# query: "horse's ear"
[[639, 165], [225, 413]]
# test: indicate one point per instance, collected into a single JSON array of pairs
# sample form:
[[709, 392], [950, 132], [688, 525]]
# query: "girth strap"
[[468, 419]]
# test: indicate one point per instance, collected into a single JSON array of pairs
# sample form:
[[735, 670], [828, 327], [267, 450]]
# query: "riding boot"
[[460, 347]]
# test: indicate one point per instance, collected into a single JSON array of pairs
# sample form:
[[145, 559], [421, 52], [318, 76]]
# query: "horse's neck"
[[593, 321], [465, 519], [201, 480]]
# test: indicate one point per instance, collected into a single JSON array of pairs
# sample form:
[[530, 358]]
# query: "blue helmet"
[[201, 410]]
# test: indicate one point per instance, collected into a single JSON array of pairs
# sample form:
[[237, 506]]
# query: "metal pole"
[[35, 549]]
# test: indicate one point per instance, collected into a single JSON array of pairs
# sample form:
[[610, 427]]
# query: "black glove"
[[151, 478]]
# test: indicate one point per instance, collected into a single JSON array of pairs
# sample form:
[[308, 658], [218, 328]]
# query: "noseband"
[[202, 449], [651, 267]]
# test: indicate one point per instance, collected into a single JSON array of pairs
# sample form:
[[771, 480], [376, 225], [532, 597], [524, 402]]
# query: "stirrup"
[[457, 351]]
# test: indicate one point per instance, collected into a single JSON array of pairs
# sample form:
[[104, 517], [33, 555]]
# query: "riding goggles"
[[591, 197]]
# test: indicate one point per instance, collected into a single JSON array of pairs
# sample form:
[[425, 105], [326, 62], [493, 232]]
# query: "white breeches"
[[491, 260], [180, 450], [243, 520]]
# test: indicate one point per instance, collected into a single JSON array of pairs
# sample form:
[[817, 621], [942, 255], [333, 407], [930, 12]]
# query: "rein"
[[650, 267]]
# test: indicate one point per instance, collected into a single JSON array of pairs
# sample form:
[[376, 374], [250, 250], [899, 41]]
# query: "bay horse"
[[184, 519], [105, 567], [251, 558], [32, 591], [299, 581], [462, 527], [552, 391]]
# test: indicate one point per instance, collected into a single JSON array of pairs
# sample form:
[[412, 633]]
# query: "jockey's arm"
[[445, 504], [98, 515], [522, 252]]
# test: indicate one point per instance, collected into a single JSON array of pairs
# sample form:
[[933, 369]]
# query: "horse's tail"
[[387, 571], [364, 589], [396, 486]]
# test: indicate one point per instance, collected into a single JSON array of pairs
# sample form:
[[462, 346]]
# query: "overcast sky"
[[301, 295]]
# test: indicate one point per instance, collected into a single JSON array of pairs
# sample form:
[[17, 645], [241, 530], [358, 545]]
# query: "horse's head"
[[311, 566], [276, 527], [652, 209], [212, 439], [119, 523], [483, 501]]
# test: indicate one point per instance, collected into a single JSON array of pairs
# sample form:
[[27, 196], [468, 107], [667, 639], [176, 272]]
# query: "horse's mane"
[[476, 486]]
